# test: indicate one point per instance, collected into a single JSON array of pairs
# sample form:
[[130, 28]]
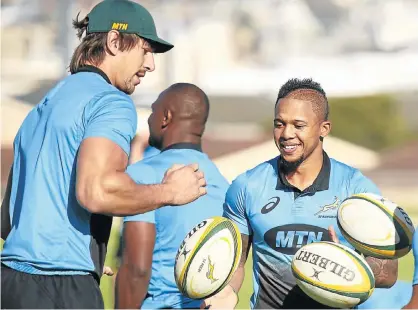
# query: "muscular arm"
[[135, 272], [385, 271], [413, 303], [103, 186], [238, 277], [5, 206]]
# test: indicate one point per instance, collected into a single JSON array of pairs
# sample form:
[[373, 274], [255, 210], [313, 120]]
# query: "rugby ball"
[[207, 258], [333, 274], [375, 226]]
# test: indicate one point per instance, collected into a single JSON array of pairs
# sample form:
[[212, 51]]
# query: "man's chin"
[[153, 144], [290, 164]]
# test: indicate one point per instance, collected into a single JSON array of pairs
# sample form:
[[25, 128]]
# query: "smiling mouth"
[[288, 149]]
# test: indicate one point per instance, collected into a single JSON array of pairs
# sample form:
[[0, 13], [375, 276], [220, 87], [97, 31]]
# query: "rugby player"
[[70, 154], [292, 200], [151, 240]]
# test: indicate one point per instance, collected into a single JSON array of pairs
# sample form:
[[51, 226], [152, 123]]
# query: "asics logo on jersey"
[[288, 239], [209, 273], [271, 205], [326, 208]]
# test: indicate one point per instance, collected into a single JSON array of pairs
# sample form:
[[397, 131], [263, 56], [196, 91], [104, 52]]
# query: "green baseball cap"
[[126, 17]]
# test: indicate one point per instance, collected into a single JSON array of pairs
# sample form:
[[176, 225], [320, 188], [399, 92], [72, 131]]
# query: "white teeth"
[[290, 147]]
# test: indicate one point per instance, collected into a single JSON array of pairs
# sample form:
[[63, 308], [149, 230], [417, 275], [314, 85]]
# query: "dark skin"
[[178, 116], [298, 127]]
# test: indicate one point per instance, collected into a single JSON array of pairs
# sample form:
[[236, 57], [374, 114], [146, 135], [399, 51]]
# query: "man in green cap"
[[68, 176]]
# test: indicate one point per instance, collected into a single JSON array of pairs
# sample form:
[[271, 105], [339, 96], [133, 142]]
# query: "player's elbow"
[[139, 271], [90, 195], [387, 281]]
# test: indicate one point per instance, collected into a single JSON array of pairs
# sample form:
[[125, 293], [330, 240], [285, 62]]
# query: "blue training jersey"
[[50, 232], [389, 298], [415, 252], [173, 223], [150, 151], [281, 219]]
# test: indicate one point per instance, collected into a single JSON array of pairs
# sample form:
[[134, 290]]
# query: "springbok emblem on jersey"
[[331, 206], [209, 273]]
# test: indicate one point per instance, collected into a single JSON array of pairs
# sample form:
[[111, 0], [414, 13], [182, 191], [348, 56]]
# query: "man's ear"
[[112, 42], [325, 129], [168, 117]]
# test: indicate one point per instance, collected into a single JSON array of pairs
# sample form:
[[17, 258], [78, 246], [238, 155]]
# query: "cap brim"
[[159, 45]]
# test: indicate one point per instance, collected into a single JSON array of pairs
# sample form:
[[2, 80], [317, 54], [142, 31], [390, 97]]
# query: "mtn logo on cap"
[[120, 26]]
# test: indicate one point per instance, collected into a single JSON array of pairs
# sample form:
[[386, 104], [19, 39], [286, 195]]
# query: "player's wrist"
[[167, 194], [235, 293]]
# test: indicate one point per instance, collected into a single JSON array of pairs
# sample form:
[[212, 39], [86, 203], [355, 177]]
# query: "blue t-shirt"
[[150, 151], [415, 252], [281, 219], [173, 223], [389, 298], [50, 232]]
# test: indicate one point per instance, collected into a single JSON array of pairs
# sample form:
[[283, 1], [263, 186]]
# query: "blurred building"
[[239, 52]]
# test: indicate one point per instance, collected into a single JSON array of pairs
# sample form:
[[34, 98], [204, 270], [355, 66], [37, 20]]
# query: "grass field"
[[406, 267]]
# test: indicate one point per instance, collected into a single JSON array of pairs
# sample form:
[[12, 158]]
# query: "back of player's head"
[[307, 90], [188, 102]]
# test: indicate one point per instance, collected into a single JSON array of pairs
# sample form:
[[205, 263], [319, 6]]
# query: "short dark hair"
[[297, 86], [194, 101]]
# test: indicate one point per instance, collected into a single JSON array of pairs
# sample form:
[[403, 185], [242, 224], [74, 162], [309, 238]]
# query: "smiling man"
[[290, 201]]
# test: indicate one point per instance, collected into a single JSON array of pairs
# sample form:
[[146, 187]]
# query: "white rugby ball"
[[375, 226], [333, 274], [207, 258]]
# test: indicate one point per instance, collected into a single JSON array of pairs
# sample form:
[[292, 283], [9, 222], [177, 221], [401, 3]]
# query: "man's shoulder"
[[264, 168], [342, 170], [352, 178], [142, 172], [93, 86], [262, 171]]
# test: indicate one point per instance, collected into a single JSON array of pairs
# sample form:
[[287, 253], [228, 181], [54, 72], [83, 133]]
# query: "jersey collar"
[[184, 145], [94, 69], [321, 182]]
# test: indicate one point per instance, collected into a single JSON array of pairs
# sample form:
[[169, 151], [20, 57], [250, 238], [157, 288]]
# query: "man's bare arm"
[[413, 303], [238, 277], [135, 272], [385, 271], [228, 297], [103, 186], [5, 207]]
